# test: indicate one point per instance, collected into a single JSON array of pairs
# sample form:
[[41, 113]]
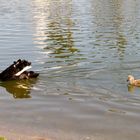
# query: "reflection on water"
[[110, 27], [121, 43], [100, 30], [55, 35], [131, 88], [61, 40], [19, 88]]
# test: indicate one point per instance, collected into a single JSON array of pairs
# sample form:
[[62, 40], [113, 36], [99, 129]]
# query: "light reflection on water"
[[83, 52]]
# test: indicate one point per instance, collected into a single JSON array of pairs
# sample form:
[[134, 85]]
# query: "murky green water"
[[84, 51]]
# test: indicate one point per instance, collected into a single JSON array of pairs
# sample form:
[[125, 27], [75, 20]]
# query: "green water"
[[84, 51]]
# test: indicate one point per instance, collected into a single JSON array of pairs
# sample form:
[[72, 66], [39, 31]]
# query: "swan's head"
[[130, 79]]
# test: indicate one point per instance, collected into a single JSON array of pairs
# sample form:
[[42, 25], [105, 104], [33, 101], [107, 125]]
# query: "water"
[[84, 51]]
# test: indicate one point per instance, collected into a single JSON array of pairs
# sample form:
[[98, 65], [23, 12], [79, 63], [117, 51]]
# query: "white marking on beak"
[[24, 69]]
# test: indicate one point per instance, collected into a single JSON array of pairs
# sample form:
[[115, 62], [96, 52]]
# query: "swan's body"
[[132, 81], [18, 71]]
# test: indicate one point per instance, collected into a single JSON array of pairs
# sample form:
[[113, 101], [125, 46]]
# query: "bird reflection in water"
[[131, 88], [19, 88]]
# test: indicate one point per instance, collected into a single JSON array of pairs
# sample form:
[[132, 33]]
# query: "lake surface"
[[84, 50]]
